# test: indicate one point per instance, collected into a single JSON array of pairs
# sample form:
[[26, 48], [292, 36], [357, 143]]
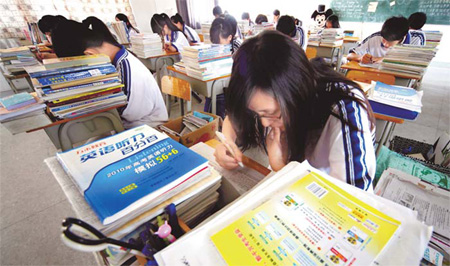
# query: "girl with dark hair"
[[189, 32], [332, 22], [260, 19], [174, 39], [286, 24], [222, 32], [297, 110], [131, 30], [145, 102], [48, 23]]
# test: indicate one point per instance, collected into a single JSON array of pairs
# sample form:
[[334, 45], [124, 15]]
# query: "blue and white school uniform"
[[343, 152], [178, 40], [372, 45], [300, 37], [415, 37], [236, 43], [191, 34], [145, 102]]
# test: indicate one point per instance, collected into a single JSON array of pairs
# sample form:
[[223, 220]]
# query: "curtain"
[[194, 12], [14, 14]]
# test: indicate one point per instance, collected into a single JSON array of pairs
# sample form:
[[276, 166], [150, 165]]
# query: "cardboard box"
[[202, 134]]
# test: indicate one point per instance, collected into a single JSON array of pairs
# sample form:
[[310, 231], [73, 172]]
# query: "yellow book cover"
[[72, 61], [85, 94], [313, 222]]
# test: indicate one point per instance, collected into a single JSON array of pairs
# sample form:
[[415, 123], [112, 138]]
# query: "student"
[[260, 19], [416, 22], [174, 39], [217, 12], [145, 102], [246, 17], [222, 32], [48, 23], [332, 22], [189, 32], [286, 25], [276, 16], [131, 30], [375, 47], [296, 109]]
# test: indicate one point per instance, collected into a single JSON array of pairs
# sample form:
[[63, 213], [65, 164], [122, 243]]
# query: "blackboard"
[[438, 11]]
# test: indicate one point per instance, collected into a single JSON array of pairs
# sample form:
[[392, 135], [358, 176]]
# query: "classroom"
[[282, 132]]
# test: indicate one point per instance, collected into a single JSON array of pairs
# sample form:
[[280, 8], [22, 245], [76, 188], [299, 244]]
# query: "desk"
[[388, 129], [209, 88], [351, 39], [329, 51], [158, 62]]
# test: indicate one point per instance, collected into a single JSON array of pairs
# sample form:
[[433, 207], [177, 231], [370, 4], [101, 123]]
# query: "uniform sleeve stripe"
[[353, 50]]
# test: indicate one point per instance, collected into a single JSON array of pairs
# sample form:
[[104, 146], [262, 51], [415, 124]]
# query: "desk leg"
[[390, 133], [384, 137], [213, 98]]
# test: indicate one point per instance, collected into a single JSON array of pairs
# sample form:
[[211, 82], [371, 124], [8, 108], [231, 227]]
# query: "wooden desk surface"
[[250, 163], [172, 68], [75, 118], [163, 55], [353, 65]]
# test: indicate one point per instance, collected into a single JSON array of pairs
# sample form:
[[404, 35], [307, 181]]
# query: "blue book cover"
[[125, 173], [392, 111], [56, 79], [48, 90], [57, 71], [17, 100]]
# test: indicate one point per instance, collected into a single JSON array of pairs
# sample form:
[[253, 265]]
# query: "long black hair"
[[334, 20], [48, 23], [124, 18], [222, 28], [274, 64], [72, 38], [159, 20]]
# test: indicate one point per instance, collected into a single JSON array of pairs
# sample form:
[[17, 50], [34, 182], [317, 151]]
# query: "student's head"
[[124, 18], [273, 84], [217, 11], [394, 30], [162, 25], [233, 23], [260, 19], [276, 15], [245, 16], [221, 31], [72, 38], [332, 22], [48, 23], [286, 25], [178, 21], [417, 20], [298, 22]]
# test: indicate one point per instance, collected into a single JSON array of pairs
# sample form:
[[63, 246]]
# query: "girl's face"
[[165, 30], [117, 19], [267, 110], [328, 25]]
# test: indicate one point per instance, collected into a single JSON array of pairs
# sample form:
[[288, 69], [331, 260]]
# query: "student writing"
[[296, 110], [174, 39], [189, 32], [145, 102]]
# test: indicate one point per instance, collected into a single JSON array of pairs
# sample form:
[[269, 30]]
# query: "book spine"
[[98, 99], [65, 70], [83, 98], [51, 80], [48, 90]]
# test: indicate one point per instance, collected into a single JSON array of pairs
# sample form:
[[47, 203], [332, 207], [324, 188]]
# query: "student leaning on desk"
[[46, 25], [145, 102], [296, 110], [174, 39]]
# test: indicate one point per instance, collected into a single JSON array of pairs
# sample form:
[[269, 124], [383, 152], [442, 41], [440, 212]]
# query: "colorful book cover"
[[313, 222], [39, 71], [73, 61], [48, 90], [124, 173], [85, 96], [72, 76], [17, 101]]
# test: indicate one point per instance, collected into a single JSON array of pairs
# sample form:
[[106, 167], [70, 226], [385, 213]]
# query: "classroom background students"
[[217, 12], [332, 22], [260, 19], [223, 31], [145, 102], [131, 29], [189, 32], [46, 25], [416, 22], [276, 16], [286, 25], [374, 48], [246, 17], [174, 39], [296, 110]]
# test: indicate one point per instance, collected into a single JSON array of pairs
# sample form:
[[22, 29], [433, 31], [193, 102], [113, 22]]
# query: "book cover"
[[17, 101], [397, 96], [73, 61], [72, 76], [122, 173], [40, 71], [84, 96]]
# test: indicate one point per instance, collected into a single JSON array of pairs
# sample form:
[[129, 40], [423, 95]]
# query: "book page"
[[313, 222]]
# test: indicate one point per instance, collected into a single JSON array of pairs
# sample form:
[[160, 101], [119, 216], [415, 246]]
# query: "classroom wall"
[[143, 11]]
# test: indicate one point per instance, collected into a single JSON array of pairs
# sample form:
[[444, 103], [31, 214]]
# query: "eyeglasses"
[[272, 118]]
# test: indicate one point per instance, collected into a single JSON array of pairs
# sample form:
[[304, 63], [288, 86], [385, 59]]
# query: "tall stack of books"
[[245, 27], [332, 37], [262, 27], [205, 31], [35, 34], [207, 61], [120, 30], [15, 59], [314, 37], [408, 59], [146, 45], [73, 86], [433, 38]]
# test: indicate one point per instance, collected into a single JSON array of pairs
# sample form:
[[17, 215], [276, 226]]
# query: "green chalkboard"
[[438, 11]]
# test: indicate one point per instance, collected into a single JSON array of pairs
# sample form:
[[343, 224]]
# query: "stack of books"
[[245, 27], [15, 59], [120, 30], [262, 27], [314, 37], [190, 123], [433, 38], [332, 37], [207, 61], [146, 45], [35, 34], [180, 66], [408, 59], [205, 31], [73, 86]]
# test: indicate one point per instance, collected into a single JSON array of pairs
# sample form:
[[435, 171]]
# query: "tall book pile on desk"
[[433, 38], [120, 31], [35, 34], [332, 37], [207, 61], [15, 59], [314, 37], [146, 45], [205, 31], [408, 59], [74, 86], [258, 28]]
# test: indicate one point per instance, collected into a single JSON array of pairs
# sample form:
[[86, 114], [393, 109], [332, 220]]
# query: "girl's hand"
[[224, 157], [277, 148]]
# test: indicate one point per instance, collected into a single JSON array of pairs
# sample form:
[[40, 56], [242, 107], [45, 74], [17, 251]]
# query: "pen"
[[224, 141]]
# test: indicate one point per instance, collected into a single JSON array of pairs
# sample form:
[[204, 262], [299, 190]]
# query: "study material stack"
[[15, 59], [190, 123], [23, 111], [205, 31], [314, 38], [395, 101], [120, 31], [431, 203], [180, 66], [258, 28], [146, 45], [332, 37], [433, 38], [408, 59], [245, 27], [35, 34], [301, 216], [73, 86], [207, 61]]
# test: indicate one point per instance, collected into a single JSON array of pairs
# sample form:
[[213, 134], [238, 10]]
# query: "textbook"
[[17, 101], [131, 171], [75, 75], [75, 61]]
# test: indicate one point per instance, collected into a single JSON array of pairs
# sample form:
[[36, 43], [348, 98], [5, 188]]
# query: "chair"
[[367, 77], [311, 52], [178, 88]]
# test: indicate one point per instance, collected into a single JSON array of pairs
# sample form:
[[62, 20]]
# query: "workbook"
[[132, 171]]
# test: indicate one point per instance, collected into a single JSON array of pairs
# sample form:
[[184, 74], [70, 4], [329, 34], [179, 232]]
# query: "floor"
[[32, 205]]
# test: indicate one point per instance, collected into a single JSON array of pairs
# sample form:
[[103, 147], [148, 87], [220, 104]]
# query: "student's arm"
[[361, 53], [223, 157], [169, 47]]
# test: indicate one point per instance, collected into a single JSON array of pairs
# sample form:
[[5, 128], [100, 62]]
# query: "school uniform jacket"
[[415, 37], [178, 40], [145, 102], [344, 152], [191, 34], [300, 37], [372, 45]]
